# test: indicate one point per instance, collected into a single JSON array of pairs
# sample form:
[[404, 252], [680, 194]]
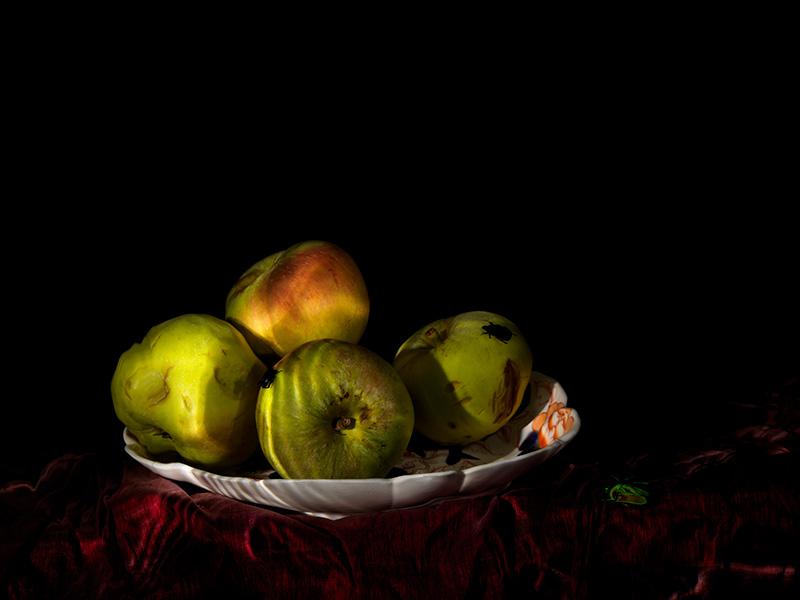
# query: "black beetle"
[[268, 378], [497, 331]]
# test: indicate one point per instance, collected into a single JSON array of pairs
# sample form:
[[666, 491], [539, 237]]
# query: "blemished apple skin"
[[333, 410], [191, 386], [312, 290], [466, 375]]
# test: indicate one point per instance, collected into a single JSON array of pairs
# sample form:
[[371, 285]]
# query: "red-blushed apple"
[[333, 410], [312, 290]]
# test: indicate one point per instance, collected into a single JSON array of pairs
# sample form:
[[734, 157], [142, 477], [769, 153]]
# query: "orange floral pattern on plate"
[[553, 422]]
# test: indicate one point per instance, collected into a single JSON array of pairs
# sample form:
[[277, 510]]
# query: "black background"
[[631, 218]]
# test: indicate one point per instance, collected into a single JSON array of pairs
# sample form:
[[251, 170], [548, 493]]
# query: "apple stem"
[[344, 423]]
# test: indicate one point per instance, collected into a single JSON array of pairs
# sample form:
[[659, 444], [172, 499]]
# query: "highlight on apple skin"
[[333, 410], [191, 386], [312, 290], [466, 375]]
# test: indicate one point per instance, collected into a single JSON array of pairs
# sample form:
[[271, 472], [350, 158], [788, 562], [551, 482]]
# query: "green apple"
[[466, 375], [312, 290], [191, 386], [333, 410]]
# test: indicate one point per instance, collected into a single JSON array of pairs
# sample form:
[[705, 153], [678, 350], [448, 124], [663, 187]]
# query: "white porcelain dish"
[[537, 432]]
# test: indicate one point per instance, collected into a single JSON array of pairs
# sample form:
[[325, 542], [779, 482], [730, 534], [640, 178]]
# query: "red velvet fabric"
[[720, 521]]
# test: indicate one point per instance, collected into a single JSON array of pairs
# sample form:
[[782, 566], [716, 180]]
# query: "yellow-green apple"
[[312, 290], [191, 386], [333, 410], [466, 375]]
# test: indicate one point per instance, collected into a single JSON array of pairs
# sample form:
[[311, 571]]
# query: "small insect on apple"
[[269, 377], [493, 330]]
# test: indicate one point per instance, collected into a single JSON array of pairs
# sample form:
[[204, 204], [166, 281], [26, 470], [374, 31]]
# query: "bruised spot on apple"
[[191, 386], [334, 410], [505, 398], [466, 375], [312, 290], [149, 385]]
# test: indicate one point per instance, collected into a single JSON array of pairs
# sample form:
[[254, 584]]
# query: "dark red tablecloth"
[[720, 521]]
